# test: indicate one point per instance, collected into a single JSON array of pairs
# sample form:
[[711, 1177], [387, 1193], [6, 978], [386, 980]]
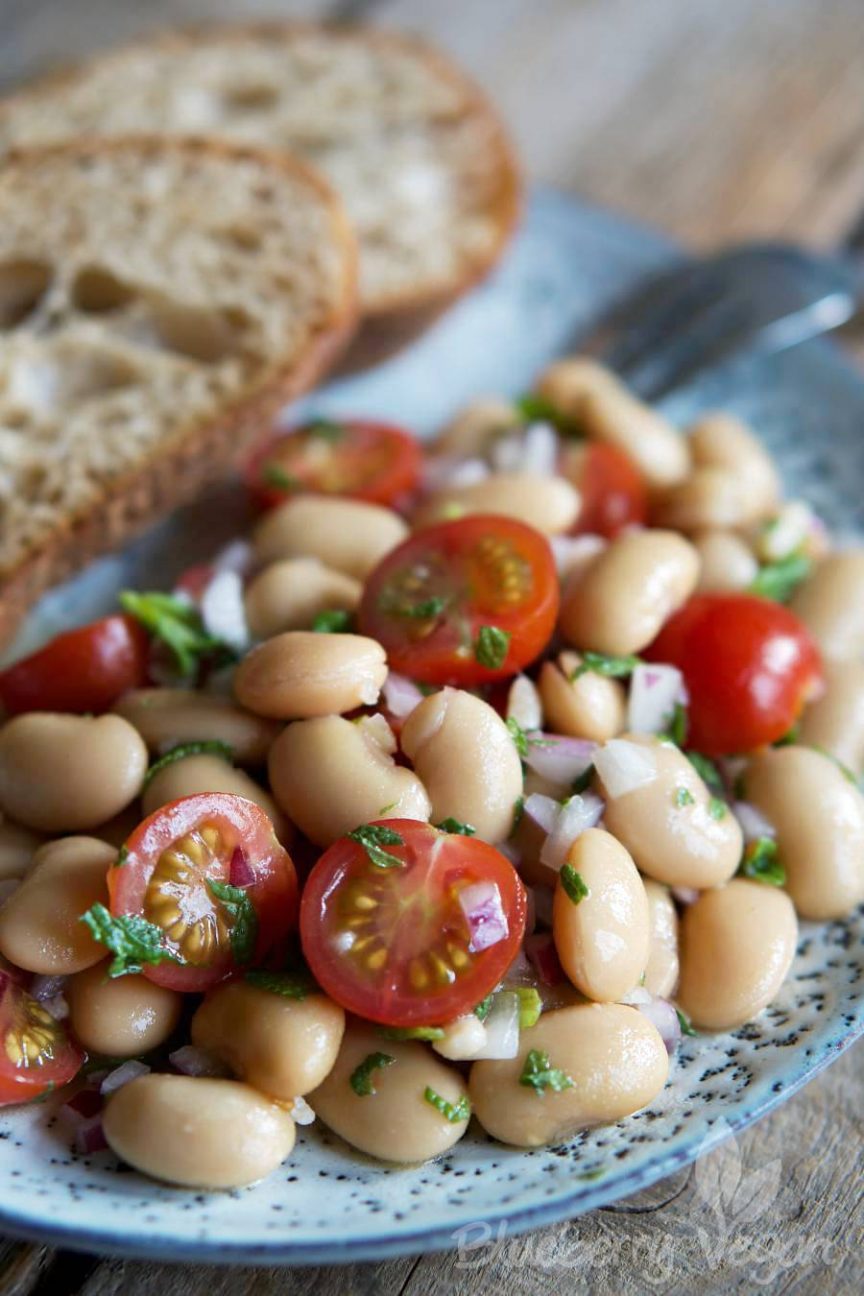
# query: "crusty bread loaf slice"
[[414, 148], [159, 301]]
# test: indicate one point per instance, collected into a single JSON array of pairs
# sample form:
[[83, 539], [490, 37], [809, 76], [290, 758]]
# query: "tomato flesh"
[[429, 599], [614, 494], [172, 861], [83, 670], [36, 1054], [368, 461], [749, 666], [393, 944]]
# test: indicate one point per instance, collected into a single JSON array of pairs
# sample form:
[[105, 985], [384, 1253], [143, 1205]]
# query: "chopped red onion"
[[624, 766], [192, 1061], [524, 705], [123, 1075], [86, 1103], [541, 953], [542, 810], [502, 1028], [90, 1137], [46, 987], [223, 611], [401, 695], [663, 1015], [684, 895], [575, 817], [654, 692], [487, 921], [753, 823], [561, 760], [240, 872]]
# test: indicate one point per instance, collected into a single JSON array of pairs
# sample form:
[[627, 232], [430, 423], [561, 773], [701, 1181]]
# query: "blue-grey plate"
[[327, 1204]]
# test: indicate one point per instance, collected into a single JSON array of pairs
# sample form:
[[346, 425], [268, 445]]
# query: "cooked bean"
[[549, 504], [835, 721], [465, 756], [301, 674], [733, 483], [675, 830], [197, 1133], [584, 706], [462, 1038], [566, 383], [620, 601], [166, 718], [476, 426], [613, 1055], [40, 924], [726, 561], [737, 944], [63, 773], [831, 604], [121, 1017], [288, 595], [193, 774], [348, 535], [330, 775], [524, 704], [819, 819], [602, 939], [17, 847], [661, 971], [396, 1122]]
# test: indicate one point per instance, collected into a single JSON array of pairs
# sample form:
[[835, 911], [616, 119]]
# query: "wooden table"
[[716, 121]]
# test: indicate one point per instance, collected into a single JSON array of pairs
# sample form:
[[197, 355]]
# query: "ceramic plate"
[[327, 1204]]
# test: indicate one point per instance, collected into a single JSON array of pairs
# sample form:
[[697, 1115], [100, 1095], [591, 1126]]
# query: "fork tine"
[[658, 312], [705, 332]]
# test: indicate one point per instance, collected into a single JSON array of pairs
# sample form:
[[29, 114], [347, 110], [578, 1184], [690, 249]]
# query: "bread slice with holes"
[[159, 301], [414, 148]]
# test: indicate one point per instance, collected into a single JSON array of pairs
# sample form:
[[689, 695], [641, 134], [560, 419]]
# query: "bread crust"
[[201, 450]]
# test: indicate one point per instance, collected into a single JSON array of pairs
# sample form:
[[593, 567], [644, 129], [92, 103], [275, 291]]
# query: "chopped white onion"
[[572, 553], [122, 1075], [401, 695], [376, 730], [223, 611], [638, 995], [543, 810], [301, 1113], [576, 816], [524, 705], [502, 1028], [624, 767], [561, 760], [449, 471], [533, 451], [57, 1007], [663, 1015], [484, 912], [753, 823], [786, 532], [192, 1061], [654, 692]]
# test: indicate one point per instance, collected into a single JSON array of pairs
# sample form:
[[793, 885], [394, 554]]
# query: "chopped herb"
[[717, 808], [287, 984], [583, 781], [533, 408], [237, 903], [491, 646], [683, 1022], [573, 884], [530, 1006], [588, 1176], [676, 729], [426, 610], [456, 827], [132, 940], [779, 580], [426, 689], [373, 837], [482, 1009], [332, 621], [38, 1099], [385, 810], [537, 1074], [361, 1076], [425, 1033], [518, 812], [178, 625], [209, 747], [684, 797], [761, 863], [325, 428], [122, 857], [706, 769], [273, 475], [519, 736], [603, 664], [790, 737], [455, 1113]]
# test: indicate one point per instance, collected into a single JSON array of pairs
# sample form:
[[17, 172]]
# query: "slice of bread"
[[414, 148], [159, 301]]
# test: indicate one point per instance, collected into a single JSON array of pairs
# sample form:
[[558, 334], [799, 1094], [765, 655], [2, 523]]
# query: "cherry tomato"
[[83, 670], [393, 943], [36, 1054], [463, 602], [375, 462], [749, 665], [175, 871], [614, 495]]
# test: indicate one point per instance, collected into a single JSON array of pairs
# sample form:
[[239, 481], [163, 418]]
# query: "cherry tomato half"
[[375, 462], [463, 602], [83, 670], [208, 873], [393, 943], [614, 495], [36, 1054], [749, 665]]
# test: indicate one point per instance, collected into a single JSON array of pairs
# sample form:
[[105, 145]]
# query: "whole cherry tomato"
[[83, 670]]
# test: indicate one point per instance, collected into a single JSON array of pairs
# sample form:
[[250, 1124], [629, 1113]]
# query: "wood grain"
[[716, 121]]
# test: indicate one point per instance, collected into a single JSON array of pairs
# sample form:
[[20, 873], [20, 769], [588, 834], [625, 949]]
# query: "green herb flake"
[[455, 1113], [573, 884], [362, 1075], [676, 729], [178, 625], [332, 621], [603, 664], [790, 738], [530, 1006], [456, 827], [684, 1023], [538, 1074], [373, 838], [519, 736], [122, 857], [684, 797], [237, 903], [287, 984], [481, 1012], [491, 646], [706, 769], [426, 1034], [518, 812], [761, 863], [426, 610], [210, 747], [533, 408], [779, 580], [717, 809], [326, 429], [132, 940], [273, 475]]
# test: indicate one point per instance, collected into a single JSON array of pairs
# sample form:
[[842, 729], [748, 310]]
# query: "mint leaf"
[[372, 837], [425, 1033], [333, 621], [676, 730], [178, 625], [779, 580], [761, 863], [519, 736], [573, 884], [537, 1074], [456, 827], [273, 475], [683, 1022], [122, 857], [482, 1009], [209, 747], [281, 983], [491, 646], [361, 1076], [717, 808], [244, 920], [132, 940], [790, 737], [455, 1113], [706, 769], [684, 797], [327, 429], [533, 408], [604, 664], [530, 1006], [425, 610]]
